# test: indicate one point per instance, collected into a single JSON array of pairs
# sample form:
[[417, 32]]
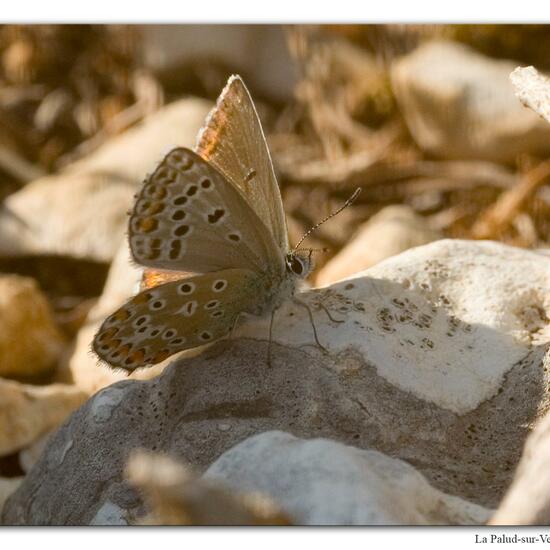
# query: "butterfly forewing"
[[234, 142], [188, 217], [175, 316]]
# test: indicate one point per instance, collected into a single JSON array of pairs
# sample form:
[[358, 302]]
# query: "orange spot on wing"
[[137, 356], [156, 207], [141, 298], [161, 356], [107, 335], [160, 193], [124, 350], [121, 315], [113, 344], [147, 224]]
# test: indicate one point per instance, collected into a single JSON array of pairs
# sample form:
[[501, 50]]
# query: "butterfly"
[[215, 212]]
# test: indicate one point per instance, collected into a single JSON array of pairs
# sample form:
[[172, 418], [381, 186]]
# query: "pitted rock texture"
[[446, 321], [439, 361], [321, 482]]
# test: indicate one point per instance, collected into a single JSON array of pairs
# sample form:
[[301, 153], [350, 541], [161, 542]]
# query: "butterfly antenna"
[[345, 205]]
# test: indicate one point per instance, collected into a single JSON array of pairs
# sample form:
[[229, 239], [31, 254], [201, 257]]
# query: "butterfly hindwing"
[[188, 217], [234, 142], [175, 316]]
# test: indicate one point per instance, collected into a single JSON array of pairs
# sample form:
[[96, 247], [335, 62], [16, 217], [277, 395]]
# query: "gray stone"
[[439, 360]]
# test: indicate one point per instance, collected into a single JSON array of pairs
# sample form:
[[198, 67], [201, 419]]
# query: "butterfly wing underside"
[[188, 217], [233, 141], [175, 316]]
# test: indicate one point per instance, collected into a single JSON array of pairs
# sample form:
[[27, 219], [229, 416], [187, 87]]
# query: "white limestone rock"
[[532, 89], [460, 104], [322, 482], [444, 321]]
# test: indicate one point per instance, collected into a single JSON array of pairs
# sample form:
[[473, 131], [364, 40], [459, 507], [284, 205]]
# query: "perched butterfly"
[[217, 213]]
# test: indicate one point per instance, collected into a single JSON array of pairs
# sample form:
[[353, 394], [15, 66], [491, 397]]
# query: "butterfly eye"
[[295, 265]]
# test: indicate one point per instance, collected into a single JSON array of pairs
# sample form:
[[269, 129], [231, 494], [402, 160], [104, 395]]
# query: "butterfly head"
[[299, 265]]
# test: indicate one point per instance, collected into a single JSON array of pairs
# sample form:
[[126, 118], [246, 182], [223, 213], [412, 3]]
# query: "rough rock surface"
[[459, 104], [392, 231], [439, 361], [322, 482], [81, 212], [26, 411], [30, 342]]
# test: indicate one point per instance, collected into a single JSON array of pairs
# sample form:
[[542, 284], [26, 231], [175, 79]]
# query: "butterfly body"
[[215, 212]]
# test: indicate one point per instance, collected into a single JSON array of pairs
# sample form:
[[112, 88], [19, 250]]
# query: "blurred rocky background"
[[423, 118]]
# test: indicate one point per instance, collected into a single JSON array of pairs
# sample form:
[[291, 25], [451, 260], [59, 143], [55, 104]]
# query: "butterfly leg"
[[269, 347], [303, 304], [235, 323], [327, 311]]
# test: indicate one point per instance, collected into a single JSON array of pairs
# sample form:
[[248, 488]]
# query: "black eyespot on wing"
[[186, 288], [178, 215], [216, 216], [175, 249], [181, 230]]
